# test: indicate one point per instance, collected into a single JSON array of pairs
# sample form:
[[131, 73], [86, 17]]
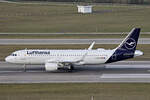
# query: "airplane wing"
[[75, 60], [54, 64]]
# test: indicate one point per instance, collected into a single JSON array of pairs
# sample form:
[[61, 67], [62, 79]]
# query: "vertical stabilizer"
[[127, 48], [130, 42]]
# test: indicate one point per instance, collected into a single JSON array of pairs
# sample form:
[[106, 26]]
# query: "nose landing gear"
[[24, 66]]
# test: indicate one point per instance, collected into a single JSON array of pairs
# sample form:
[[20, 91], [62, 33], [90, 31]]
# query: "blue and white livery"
[[62, 59]]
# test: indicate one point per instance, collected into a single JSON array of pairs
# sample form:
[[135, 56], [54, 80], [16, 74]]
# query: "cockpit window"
[[13, 54]]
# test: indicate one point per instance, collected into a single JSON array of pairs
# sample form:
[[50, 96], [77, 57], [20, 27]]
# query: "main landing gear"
[[70, 68], [66, 67]]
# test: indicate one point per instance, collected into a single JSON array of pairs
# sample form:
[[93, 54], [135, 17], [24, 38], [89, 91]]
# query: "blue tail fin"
[[127, 48]]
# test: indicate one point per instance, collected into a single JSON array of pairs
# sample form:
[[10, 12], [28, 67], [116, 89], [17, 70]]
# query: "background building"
[[84, 9]]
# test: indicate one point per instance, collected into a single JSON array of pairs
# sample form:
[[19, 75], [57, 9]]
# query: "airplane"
[[66, 59]]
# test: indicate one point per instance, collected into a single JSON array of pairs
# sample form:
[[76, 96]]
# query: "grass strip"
[[65, 36], [51, 18], [75, 91]]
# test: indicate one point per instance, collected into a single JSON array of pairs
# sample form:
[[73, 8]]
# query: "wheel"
[[70, 68], [24, 66]]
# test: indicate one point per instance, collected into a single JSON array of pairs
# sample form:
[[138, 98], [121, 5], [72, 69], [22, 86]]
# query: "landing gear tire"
[[71, 68], [24, 66]]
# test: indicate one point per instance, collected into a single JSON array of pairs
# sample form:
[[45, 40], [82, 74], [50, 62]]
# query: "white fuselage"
[[57, 59], [42, 56]]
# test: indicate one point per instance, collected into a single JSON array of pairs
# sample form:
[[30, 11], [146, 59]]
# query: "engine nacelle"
[[51, 66]]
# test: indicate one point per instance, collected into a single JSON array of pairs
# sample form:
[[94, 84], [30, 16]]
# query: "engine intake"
[[51, 66]]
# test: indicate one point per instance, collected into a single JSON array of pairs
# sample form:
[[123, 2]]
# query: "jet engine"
[[51, 66]]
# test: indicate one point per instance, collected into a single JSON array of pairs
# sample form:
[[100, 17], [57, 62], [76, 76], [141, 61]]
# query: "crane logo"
[[130, 43]]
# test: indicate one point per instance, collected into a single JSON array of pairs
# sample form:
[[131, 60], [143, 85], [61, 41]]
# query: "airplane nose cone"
[[8, 59]]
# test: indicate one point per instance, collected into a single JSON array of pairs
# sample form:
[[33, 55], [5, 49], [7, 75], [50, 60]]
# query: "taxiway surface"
[[126, 71], [66, 41]]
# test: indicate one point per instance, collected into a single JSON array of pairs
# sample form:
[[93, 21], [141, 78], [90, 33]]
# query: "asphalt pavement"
[[126, 72], [66, 41]]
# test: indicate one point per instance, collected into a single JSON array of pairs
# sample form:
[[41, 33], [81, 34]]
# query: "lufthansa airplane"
[[66, 59]]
